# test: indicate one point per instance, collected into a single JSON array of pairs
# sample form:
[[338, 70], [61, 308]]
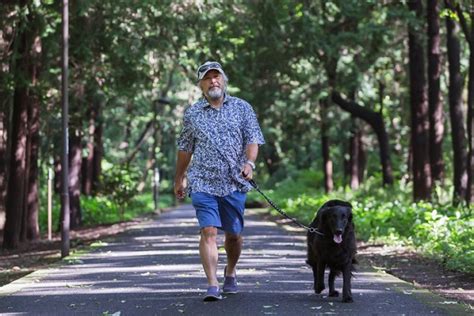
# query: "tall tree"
[[418, 107], [458, 131], [436, 117], [75, 164], [90, 173], [33, 140], [7, 34], [375, 120], [468, 31], [325, 148], [15, 214]]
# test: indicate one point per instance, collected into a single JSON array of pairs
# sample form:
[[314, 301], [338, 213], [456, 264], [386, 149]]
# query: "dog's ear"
[[349, 213], [321, 215]]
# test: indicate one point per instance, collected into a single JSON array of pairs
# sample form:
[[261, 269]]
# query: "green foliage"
[[104, 210], [439, 229], [99, 210], [119, 183]]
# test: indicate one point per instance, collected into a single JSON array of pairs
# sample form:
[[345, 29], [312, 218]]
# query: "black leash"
[[310, 229]]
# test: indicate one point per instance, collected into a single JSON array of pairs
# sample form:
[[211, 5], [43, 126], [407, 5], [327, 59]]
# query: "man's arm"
[[251, 152], [182, 164]]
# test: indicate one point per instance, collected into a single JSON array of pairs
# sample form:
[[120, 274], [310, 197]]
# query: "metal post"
[[65, 215]]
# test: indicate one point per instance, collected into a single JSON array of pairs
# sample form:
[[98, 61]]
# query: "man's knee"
[[209, 234], [233, 239]]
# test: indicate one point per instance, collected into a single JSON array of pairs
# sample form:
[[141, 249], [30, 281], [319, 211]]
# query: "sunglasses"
[[206, 67]]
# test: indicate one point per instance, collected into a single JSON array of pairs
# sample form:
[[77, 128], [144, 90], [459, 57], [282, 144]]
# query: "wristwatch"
[[251, 163]]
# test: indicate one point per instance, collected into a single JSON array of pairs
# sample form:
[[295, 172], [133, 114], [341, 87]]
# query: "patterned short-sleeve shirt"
[[217, 138]]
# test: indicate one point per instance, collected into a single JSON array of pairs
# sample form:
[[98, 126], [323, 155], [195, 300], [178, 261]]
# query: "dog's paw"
[[333, 293], [347, 299]]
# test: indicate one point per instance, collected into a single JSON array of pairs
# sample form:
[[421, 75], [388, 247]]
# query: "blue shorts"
[[223, 212]]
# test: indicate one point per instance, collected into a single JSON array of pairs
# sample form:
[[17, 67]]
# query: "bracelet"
[[251, 163]]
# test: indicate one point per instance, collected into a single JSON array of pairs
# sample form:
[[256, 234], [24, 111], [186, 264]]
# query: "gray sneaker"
[[230, 284], [213, 294]]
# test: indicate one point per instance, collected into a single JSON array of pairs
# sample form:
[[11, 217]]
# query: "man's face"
[[213, 85]]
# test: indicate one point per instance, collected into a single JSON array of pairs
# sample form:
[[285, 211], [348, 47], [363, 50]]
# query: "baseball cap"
[[207, 66]]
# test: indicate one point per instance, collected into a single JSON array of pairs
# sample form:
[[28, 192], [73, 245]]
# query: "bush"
[[436, 229]]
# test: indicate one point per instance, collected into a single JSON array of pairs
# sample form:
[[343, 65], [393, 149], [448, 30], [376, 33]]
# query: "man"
[[221, 134]]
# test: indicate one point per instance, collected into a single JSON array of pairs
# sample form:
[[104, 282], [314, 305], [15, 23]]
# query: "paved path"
[[154, 269]]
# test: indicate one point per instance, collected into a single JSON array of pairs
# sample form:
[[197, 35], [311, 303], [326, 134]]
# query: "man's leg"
[[233, 248], [209, 254]]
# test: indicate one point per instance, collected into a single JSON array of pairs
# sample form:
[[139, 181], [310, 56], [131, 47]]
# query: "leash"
[[309, 229]]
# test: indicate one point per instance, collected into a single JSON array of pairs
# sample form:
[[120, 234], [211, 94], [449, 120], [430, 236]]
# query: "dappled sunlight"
[[149, 253], [157, 268], [258, 237], [250, 223]]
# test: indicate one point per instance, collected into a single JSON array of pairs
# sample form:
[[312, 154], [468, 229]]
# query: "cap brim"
[[207, 70]]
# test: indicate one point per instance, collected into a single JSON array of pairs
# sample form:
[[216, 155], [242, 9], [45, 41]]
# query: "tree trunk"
[[327, 162], [6, 96], [362, 155], [30, 229], [3, 162], [435, 106], [458, 131], [354, 151], [32, 200], [470, 115], [125, 144], [17, 162], [419, 111], [16, 183], [98, 150], [75, 163], [88, 167], [375, 120]]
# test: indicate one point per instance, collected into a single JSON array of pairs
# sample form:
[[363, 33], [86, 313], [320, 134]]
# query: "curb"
[[19, 284], [426, 297]]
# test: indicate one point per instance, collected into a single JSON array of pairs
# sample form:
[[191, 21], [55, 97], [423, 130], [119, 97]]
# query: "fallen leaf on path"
[[78, 285], [99, 244]]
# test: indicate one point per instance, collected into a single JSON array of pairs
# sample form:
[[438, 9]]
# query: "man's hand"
[[247, 172], [179, 189]]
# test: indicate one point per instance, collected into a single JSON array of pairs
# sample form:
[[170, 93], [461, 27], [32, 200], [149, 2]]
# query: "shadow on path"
[[154, 269]]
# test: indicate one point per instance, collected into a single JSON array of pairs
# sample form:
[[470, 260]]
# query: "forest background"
[[368, 101]]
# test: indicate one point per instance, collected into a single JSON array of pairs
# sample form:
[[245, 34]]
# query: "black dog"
[[333, 246]]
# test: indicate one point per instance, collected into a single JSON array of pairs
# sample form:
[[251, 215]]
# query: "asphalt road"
[[154, 269]]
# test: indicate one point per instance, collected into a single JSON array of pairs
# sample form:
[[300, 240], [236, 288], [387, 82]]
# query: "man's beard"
[[215, 93]]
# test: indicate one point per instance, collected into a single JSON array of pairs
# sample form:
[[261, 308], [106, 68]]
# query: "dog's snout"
[[338, 231]]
